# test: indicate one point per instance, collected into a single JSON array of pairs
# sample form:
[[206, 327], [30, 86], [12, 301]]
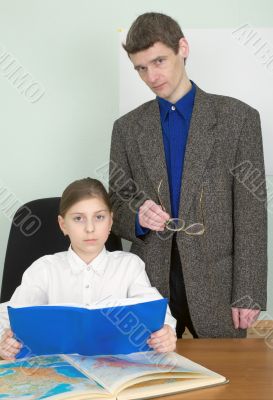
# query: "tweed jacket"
[[227, 265]]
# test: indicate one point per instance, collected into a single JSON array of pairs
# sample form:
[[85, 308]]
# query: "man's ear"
[[62, 224], [184, 47]]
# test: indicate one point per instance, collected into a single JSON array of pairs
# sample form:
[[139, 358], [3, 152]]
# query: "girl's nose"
[[89, 226]]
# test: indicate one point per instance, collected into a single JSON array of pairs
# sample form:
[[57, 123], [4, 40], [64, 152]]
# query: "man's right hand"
[[152, 216]]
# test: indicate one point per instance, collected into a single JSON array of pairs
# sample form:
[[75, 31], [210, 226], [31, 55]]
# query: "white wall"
[[70, 48]]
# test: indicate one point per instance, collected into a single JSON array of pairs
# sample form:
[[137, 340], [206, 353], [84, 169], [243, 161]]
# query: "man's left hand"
[[244, 317]]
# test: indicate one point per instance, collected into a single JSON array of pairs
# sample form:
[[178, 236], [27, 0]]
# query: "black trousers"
[[178, 299]]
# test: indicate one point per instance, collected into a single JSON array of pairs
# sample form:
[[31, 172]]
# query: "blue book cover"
[[124, 329]]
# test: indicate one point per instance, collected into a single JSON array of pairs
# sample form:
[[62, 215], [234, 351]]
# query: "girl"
[[87, 272]]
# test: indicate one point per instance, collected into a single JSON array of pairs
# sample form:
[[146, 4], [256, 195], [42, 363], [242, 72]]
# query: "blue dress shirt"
[[175, 123]]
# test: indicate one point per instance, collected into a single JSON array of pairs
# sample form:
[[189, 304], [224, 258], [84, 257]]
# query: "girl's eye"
[[77, 219], [100, 217]]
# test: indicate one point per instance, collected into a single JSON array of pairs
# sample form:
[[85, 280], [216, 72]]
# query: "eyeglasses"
[[178, 225]]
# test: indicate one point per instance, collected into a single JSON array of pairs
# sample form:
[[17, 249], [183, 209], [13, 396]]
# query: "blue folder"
[[45, 330]]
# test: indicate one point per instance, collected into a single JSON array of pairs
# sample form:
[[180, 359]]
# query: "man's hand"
[[9, 346], [163, 340], [244, 317], [152, 216]]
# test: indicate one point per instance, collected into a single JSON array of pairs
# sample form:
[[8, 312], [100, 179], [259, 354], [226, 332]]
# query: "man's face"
[[163, 70]]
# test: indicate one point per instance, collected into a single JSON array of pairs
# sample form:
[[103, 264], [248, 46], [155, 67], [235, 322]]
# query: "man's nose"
[[152, 75]]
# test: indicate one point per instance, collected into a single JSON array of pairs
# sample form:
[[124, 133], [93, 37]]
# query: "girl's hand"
[[163, 340], [9, 346]]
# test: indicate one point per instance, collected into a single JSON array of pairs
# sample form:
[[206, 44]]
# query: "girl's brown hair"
[[83, 189]]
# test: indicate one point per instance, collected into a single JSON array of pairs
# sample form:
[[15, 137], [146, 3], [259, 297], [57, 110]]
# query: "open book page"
[[41, 377], [115, 373], [138, 376]]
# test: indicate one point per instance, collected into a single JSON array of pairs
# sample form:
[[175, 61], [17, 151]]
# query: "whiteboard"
[[234, 62]]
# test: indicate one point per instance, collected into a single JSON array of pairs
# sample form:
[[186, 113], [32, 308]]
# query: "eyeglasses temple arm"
[[159, 198]]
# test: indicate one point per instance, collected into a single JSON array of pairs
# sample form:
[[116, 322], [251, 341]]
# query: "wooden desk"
[[247, 363]]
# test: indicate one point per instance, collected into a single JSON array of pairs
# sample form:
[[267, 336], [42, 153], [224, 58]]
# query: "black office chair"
[[34, 233]]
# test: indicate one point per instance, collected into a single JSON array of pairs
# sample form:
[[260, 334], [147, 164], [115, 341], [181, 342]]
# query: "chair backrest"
[[34, 233]]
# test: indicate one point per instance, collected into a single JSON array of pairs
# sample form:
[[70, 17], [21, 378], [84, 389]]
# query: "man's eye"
[[159, 61], [141, 69]]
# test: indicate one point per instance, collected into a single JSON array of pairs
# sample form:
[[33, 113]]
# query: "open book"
[[123, 377]]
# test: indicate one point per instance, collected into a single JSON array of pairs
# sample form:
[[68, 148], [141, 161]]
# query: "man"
[[178, 193]]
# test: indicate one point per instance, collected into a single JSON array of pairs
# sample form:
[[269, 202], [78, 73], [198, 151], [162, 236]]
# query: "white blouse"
[[65, 278]]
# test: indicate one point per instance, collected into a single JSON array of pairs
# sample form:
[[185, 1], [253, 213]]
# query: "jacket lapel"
[[150, 142], [199, 146]]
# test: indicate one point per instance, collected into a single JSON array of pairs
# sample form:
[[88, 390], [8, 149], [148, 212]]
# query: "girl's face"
[[87, 223]]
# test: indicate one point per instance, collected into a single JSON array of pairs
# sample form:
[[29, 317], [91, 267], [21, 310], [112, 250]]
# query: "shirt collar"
[[77, 265], [183, 105]]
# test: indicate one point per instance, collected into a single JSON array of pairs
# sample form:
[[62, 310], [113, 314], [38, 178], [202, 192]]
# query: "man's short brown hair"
[[150, 28]]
